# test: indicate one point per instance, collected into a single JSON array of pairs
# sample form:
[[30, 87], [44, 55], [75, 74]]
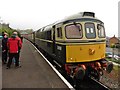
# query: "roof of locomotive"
[[82, 16]]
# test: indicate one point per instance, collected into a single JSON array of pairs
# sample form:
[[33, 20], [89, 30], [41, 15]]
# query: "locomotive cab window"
[[101, 31], [90, 30], [73, 31], [59, 32]]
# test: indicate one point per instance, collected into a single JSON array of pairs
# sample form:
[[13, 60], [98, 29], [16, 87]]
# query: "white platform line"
[[56, 71]]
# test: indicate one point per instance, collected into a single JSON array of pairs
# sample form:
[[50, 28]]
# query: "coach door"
[[54, 45]]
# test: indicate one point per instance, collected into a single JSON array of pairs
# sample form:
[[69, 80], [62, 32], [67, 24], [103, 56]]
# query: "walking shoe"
[[4, 63], [7, 67], [17, 66]]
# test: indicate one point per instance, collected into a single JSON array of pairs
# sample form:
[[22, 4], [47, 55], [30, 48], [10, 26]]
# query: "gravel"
[[112, 80]]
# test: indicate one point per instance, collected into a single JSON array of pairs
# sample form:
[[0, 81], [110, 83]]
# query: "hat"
[[5, 33], [15, 33]]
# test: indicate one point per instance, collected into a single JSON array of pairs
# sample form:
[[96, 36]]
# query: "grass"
[[116, 67]]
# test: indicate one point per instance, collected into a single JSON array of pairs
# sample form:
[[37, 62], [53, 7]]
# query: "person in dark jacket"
[[14, 45], [4, 48], [21, 37]]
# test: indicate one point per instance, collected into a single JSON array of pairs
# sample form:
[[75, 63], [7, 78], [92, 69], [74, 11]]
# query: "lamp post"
[[113, 47]]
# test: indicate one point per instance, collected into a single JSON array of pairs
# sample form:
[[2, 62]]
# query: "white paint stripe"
[[64, 80]]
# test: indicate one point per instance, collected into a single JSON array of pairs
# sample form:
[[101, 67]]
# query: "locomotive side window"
[[101, 31], [73, 31], [90, 30], [59, 32]]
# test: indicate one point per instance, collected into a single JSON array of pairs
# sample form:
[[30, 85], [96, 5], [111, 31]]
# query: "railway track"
[[91, 83], [87, 83]]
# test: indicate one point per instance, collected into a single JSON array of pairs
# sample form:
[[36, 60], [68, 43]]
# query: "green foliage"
[[106, 54], [115, 67], [7, 29], [112, 46]]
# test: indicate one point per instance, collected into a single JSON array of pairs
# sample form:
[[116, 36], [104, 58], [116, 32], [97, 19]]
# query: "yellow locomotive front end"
[[85, 52], [85, 42]]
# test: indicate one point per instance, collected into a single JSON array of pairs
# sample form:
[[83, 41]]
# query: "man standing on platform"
[[4, 48], [14, 45]]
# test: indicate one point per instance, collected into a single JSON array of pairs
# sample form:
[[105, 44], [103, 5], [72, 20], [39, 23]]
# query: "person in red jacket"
[[14, 45]]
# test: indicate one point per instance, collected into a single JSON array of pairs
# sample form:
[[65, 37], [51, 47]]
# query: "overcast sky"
[[25, 14]]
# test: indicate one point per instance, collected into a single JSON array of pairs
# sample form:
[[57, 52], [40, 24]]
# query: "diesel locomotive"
[[77, 44]]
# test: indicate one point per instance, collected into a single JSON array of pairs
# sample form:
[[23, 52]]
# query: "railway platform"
[[34, 73]]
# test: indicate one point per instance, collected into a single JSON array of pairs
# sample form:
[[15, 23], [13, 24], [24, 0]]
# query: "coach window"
[[101, 31], [90, 30], [59, 32], [73, 31], [37, 34], [48, 35]]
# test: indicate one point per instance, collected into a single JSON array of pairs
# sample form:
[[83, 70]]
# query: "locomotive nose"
[[109, 67]]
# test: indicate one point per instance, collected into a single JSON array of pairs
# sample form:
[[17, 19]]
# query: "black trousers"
[[11, 56], [4, 56]]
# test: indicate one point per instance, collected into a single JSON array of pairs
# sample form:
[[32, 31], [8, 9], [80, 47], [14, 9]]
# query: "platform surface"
[[34, 73]]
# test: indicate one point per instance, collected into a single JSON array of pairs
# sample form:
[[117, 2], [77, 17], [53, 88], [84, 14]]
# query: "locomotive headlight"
[[71, 59]]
